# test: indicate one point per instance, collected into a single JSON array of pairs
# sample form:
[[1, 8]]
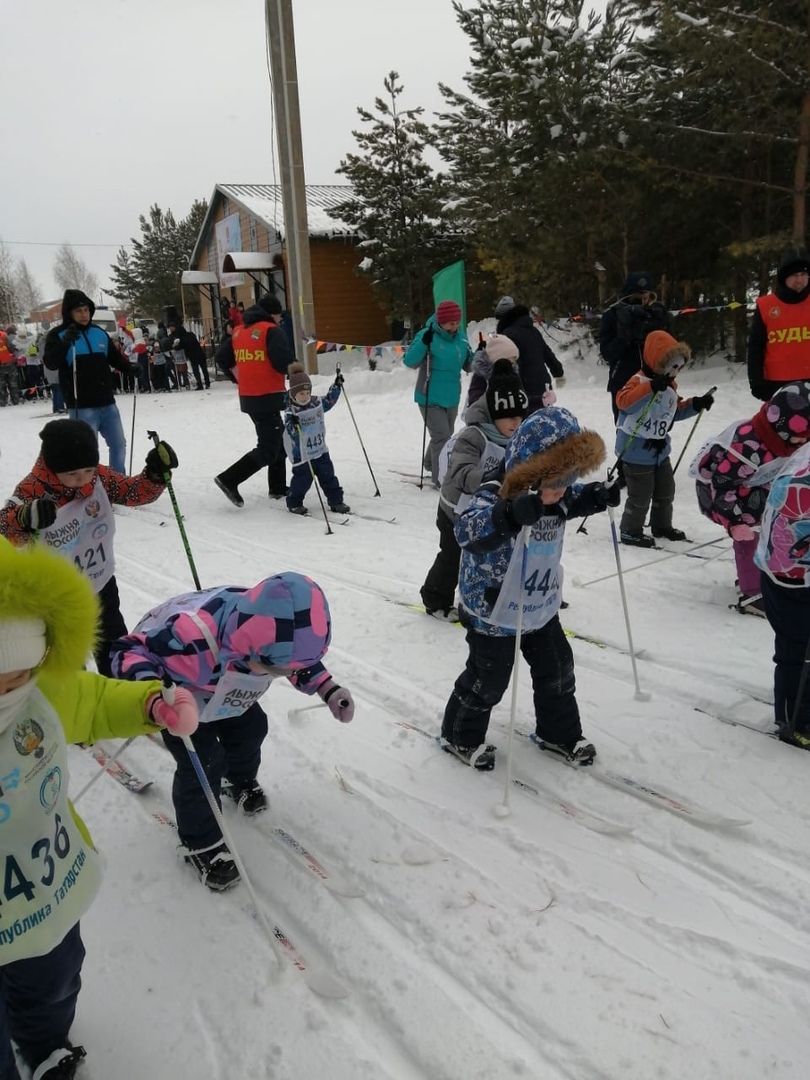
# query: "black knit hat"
[[69, 445], [505, 394], [270, 304]]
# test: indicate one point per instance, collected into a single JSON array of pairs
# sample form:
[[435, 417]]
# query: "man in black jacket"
[[184, 341], [624, 328], [536, 362], [779, 339], [83, 355]]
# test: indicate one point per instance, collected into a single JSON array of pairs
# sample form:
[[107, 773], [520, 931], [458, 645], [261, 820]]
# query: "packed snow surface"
[[631, 944]]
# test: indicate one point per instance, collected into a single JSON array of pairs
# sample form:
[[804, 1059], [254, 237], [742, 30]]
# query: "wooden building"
[[246, 223]]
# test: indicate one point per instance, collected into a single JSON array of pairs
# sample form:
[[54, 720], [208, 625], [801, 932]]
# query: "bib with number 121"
[[83, 532]]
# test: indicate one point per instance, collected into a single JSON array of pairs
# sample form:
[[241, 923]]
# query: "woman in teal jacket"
[[441, 352]]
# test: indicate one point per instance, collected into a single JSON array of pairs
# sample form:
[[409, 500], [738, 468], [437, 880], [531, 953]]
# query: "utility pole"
[[281, 41]]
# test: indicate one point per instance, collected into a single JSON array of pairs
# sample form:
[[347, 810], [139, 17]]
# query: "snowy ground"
[[483, 948]]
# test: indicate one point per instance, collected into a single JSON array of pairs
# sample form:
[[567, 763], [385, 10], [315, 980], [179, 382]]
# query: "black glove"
[[529, 508], [71, 334], [427, 338], [36, 515], [339, 380], [701, 403], [603, 495], [761, 389], [660, 382], [160, 460]]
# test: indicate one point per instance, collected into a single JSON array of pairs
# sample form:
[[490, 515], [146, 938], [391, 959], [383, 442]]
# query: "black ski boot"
[[478, 757], [231, 493], [60, 1065], [671, 534], [215, 866], [228, 481], [340, 508], [575, 753], [638, 539], [249, 797]]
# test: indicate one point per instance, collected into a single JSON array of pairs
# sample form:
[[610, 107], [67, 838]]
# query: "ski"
[[332, 881], [684, 808], [586, 818], [117, 770], [401, 472], [320, 980], [737, 723], [373, 517]]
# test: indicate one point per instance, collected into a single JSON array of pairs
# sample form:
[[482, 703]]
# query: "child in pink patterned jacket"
[[226, 645]]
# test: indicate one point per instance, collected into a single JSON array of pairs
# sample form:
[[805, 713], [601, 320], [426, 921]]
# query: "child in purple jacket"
[[226, 645]]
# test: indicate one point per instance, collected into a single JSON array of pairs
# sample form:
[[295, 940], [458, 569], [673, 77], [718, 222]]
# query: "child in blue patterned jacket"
[[499, 574], [305, 441]]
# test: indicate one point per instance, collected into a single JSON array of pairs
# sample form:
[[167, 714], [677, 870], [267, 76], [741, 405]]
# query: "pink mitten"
[[742, 532], [339, 700], [180, 717]]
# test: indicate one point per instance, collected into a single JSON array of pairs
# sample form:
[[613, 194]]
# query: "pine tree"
[[397, 205]]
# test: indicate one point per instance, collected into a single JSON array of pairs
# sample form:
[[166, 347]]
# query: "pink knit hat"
[[448, 311], [500, 347]]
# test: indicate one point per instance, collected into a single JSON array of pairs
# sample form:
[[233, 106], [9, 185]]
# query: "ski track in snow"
[[482, 949]]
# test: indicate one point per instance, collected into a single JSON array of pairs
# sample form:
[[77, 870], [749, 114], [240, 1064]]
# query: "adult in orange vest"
[[9, 381], [779, 341], [262, 353]]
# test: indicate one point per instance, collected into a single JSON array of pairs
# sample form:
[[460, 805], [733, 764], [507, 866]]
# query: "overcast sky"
[[112, 105]]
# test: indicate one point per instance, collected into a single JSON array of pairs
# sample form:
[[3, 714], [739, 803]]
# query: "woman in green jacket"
[[441, 352], [50, 871]]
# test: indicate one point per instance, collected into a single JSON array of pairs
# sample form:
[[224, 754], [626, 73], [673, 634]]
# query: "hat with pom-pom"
[[500, 347], [505, 394]]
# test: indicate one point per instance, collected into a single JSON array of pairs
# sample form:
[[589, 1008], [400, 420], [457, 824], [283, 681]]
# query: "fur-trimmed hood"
[[549, 449], [37, 583], [661, 348]]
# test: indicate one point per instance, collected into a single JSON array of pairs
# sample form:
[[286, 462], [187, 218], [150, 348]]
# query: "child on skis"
[[226, 645], [66, 500], [648, 405], [733, 473], [783, 556], [51, 870], [477, 449], [305, 441], [536, 488]]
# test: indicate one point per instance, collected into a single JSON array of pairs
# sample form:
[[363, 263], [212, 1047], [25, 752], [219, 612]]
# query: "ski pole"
[[101, 770], [640, 695], [505, 809], [792, 720], [329, 531], [227, 836], [424, 426], [651, 562], [691, 433], [153, 435], [357, 429], [132, 432]]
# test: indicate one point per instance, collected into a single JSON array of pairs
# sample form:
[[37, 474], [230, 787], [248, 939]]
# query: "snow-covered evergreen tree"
[[397, 205]]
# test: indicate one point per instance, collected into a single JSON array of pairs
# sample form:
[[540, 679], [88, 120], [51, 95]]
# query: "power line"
[[53, 243]]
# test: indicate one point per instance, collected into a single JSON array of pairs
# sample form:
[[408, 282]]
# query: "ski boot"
[[638, 539], [444, 614], [478, 757], [214, 864], [249, 797], [671, 534], [340, 508], [60, 1065], [578, 753]]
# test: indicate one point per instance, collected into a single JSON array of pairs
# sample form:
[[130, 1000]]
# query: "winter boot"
[[795, 738], [574, 753], [215, 866], [340, 508], [228, 481], [231, 493], [298, 510], [638, 539], [249, 797], [750, 605], [60, 1065], [671, 534], [479, 757], [445, 614]]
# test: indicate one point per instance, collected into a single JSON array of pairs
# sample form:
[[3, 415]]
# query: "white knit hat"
[[500, 347], [22, 644]]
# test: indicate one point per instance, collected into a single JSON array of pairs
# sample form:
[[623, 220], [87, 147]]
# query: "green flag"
[[449, 284]]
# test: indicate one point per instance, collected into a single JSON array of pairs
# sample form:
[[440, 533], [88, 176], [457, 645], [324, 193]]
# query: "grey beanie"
[[506, 303]]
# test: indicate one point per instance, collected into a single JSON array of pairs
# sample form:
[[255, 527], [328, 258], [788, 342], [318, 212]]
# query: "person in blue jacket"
[[84, 355], [441, 352]]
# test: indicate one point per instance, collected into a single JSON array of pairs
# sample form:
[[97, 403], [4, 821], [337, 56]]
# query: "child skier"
[[536, 488], [783, 555], [51, 870], [66, 501], [227, 645], [305, 441], [476, 450], [648, 405], [733, 473]]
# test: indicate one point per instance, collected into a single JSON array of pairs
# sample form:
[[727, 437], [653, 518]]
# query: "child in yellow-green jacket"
[[49, 870]]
